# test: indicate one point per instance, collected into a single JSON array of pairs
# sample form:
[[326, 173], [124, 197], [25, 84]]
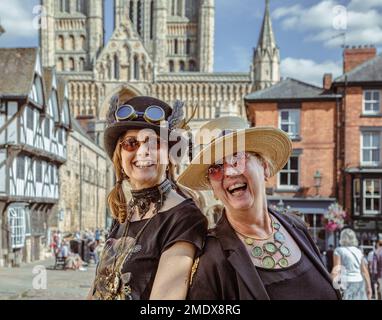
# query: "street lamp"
[[280, 205], [317, 181]]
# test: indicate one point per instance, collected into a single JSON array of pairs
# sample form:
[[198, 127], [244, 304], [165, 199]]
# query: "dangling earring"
[[124, 175]]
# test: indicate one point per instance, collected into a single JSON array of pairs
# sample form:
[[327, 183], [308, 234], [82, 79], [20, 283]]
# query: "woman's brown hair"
[[116, 198]]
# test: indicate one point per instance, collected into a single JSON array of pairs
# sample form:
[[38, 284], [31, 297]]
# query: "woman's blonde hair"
[[348, 238], [117, 199]]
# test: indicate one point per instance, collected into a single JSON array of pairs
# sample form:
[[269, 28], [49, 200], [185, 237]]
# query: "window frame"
[[289, 172], [38, 172], [16, 221], [20, 167], [356, 198], [372, 196], [370, 149], [29, 118], [47, 128], [364, 101], [292, 135]]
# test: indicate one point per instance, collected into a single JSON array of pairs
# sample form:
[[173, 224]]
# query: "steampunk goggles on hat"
[[153, 114]]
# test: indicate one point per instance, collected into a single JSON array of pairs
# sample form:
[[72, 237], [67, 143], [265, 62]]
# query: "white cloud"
[[309, 70], [326, 20], [364, 4], [17, 20]]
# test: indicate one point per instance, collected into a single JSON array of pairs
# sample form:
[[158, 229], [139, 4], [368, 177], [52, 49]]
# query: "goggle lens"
[[124, 112], [153, 114]]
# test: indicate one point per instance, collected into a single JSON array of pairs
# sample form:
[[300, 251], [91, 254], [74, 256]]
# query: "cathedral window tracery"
[[182, 66], [131, 11], [188, 46], [171, 66], [82, 64], [116, 67], [61, 41], [65, 6], [151, 19], [139, 18], [81, 6], [71, 64], [176, 46], [136, 68], [72, 44]]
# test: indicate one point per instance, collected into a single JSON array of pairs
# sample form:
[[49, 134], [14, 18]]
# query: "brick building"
[[308, 114], [360, 181], [85, 180], [336, 132]]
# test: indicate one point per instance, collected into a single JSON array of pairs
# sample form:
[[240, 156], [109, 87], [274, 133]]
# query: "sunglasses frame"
[[221, 166], [122, 143], [135, 114]]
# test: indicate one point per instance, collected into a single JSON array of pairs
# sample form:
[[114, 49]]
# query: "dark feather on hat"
[[177, 115], [114, 103]]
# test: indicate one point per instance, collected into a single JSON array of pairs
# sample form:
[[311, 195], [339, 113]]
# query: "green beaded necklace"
[[266, 252]]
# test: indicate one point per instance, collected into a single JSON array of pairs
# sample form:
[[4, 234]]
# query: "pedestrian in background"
[[373, 269], [378, 254], [329, 257], [350, 265]]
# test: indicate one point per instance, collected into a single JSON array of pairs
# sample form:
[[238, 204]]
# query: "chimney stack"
[[327, 81], [355, 56]]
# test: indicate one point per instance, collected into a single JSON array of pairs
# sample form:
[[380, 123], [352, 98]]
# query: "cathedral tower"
[[74, 34], [266, 57], [206, 35], [178, 34]]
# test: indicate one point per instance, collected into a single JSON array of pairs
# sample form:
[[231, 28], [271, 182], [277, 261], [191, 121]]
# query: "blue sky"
[[308, 32]]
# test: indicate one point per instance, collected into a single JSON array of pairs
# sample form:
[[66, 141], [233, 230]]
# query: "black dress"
[[226, 272], [301, 281], [184, 222]]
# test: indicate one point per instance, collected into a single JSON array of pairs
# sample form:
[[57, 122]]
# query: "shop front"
[[312, 211]]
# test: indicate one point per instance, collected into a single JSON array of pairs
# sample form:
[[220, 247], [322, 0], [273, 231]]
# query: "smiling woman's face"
[[145, 161], [239, 188]]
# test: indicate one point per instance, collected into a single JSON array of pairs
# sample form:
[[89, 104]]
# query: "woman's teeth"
[[237, 187], [143, 164]]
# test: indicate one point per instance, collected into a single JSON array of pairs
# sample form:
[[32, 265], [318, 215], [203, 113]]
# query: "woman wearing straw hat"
[[253, 252], [156, 231]]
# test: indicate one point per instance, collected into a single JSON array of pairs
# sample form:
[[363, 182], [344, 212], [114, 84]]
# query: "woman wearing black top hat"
[[156, 231]]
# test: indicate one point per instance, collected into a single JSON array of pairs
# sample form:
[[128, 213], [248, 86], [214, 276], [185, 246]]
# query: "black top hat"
[[115, 128]]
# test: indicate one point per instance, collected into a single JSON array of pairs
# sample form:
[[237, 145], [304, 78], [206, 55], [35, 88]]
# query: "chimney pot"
[[327, 81], [354, 56]]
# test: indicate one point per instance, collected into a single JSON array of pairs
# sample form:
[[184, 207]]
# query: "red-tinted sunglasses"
[[216, 171], [132, 144]]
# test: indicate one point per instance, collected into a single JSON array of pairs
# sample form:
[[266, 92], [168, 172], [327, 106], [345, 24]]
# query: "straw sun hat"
[[227, 135]]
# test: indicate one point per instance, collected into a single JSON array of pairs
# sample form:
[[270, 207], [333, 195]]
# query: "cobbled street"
[[18, 283]]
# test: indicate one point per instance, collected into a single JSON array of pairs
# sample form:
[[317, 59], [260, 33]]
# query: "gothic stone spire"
[[266, 58], [267, 38]]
